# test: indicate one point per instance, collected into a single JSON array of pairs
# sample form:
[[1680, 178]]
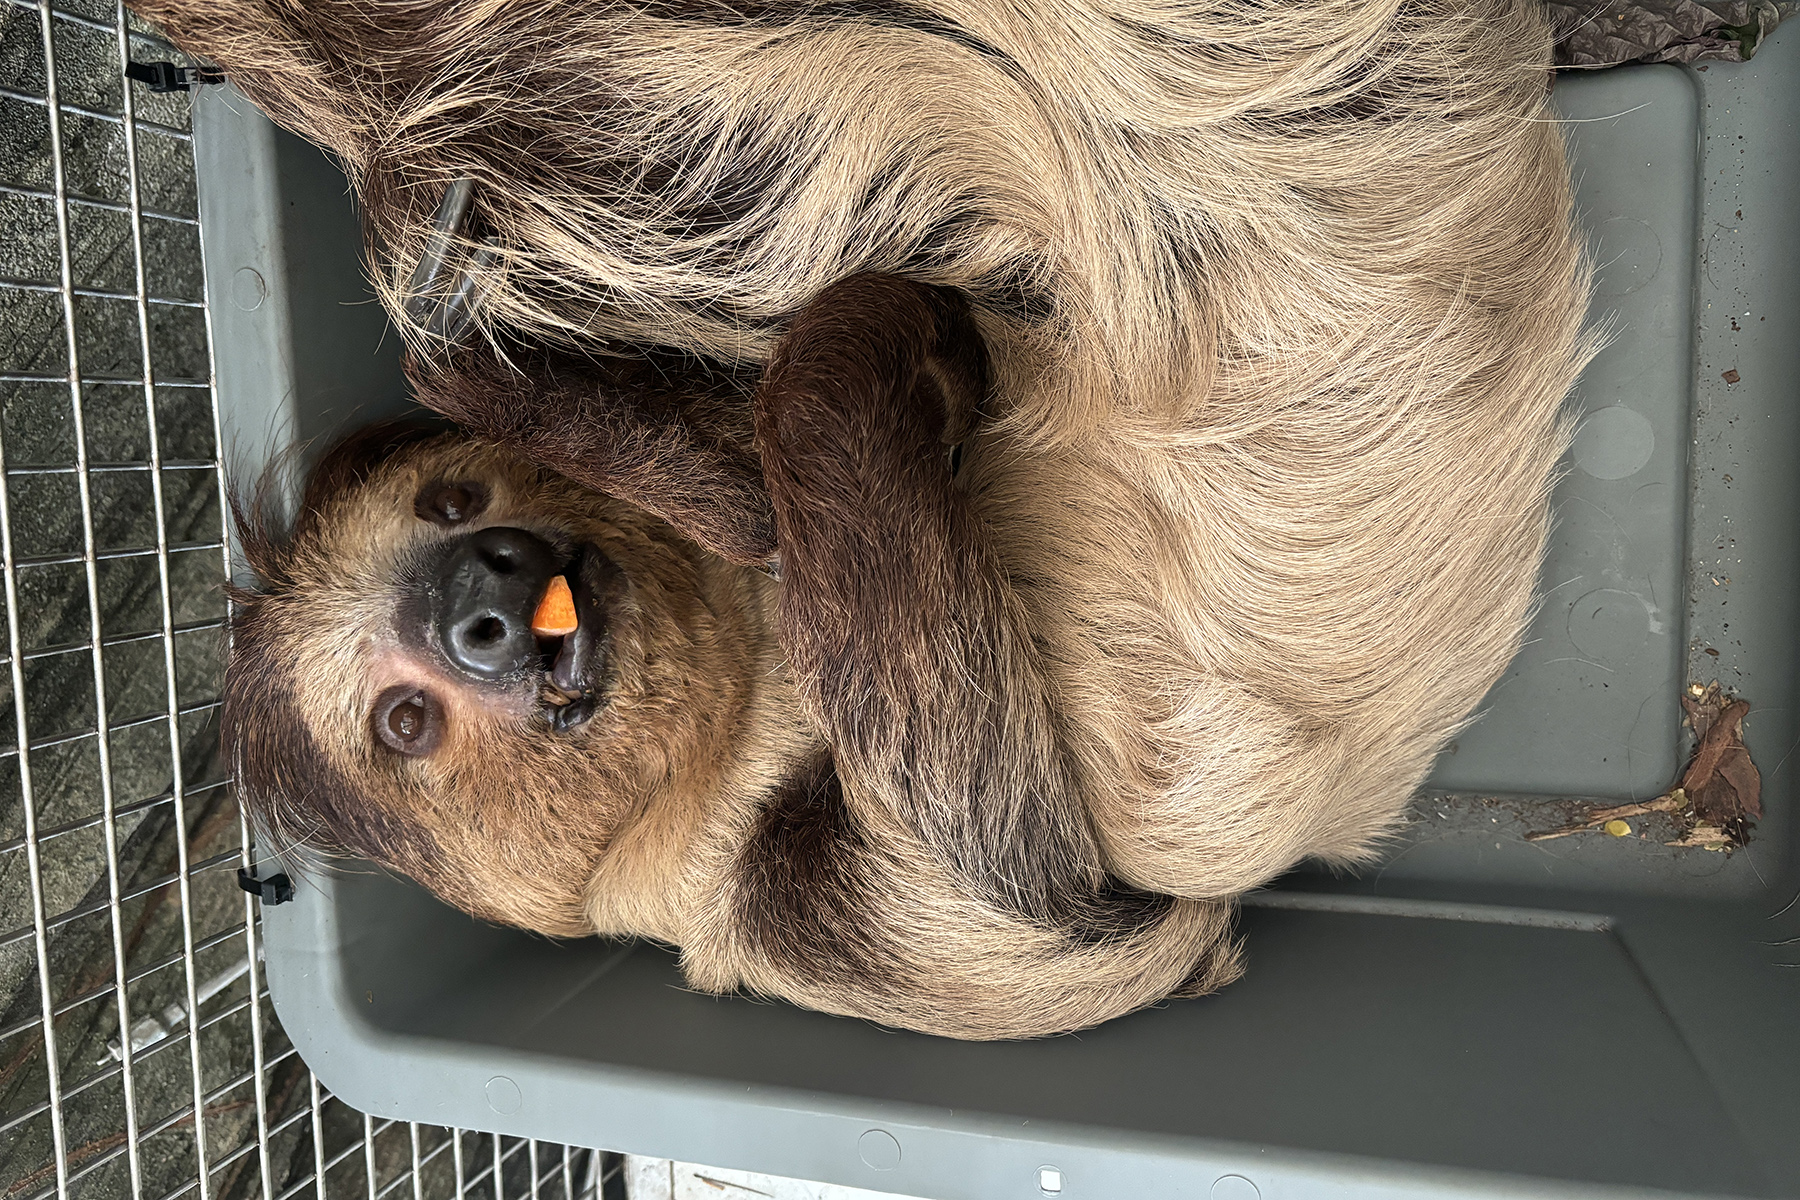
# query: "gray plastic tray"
[[1480, 1016]]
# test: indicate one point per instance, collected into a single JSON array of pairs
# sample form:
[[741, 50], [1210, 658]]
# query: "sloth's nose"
[[490, 584]]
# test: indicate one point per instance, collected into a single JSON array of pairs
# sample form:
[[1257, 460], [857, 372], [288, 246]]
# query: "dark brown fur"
[[888, 572], [805, 890], [663, 433]]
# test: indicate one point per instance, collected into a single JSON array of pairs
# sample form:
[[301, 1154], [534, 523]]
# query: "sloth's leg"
[[654, 434], [908, 641]]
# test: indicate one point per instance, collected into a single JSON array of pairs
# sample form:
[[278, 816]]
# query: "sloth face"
[[388, 696], [464, 597]]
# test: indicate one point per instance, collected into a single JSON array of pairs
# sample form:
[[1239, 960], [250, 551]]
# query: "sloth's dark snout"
[[489, 586]]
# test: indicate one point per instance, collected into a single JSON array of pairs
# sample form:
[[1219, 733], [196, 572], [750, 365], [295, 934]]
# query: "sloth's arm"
[[837, 908], [909, 644], [659, 435]]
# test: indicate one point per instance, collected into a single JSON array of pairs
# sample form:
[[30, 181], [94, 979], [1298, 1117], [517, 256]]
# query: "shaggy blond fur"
[[1280, 305]]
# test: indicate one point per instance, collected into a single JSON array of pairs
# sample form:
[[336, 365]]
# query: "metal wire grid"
[[114, 550]]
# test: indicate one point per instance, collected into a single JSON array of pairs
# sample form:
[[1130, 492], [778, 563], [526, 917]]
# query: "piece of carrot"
[[555, 614]]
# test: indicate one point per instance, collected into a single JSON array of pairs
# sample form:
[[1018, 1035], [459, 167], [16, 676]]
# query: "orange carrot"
[[555, 614]]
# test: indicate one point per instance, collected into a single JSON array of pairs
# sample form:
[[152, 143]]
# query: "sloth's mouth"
[[578, 665]]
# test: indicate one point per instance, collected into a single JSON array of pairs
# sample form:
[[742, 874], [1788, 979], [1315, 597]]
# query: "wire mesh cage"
[[139, 1052]]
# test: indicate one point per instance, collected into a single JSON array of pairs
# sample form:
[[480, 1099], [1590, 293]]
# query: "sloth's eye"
[[408, 720], [444, 503]]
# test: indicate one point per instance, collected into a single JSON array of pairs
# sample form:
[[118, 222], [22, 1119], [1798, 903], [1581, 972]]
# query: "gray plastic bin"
[[1481, 1015]]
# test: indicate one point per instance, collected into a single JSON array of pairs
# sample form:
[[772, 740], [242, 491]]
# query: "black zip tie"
[[276, 889], [167, 77]]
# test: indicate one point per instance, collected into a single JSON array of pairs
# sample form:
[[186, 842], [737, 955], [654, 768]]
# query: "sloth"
[[1024, 478]]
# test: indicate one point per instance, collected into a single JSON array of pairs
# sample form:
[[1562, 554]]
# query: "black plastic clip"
[[276, 889], [441, 297], [167, 77]]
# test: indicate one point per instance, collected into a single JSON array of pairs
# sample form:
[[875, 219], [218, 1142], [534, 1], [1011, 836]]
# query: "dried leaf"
[[1745, 780], [1606, 33], [1719, 735], [1720, 779]]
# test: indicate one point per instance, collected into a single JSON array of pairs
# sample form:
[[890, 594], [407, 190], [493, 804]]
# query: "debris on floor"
[[1719, 795], [1599, 818], [1721, 782]]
